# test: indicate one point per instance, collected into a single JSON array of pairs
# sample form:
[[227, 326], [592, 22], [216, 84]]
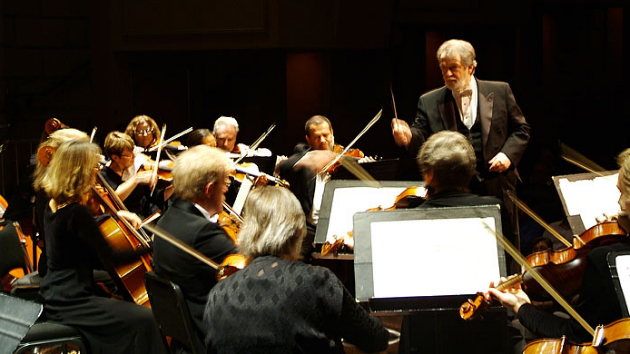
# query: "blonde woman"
[[73, 245]]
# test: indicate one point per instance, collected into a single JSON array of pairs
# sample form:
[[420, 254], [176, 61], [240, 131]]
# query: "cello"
[[121, 235]]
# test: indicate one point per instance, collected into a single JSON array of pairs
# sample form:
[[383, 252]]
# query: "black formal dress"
[[184, 221], [73, 246], [598, 303], [279, 306]]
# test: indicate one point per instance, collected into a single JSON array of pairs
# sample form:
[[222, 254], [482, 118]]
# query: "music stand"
[[265, 164], [587, 196], [343, 198], [381, 170], [422, 259], [619, 264]]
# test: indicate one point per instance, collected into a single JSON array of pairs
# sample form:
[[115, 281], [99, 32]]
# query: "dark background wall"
[[100, 63]]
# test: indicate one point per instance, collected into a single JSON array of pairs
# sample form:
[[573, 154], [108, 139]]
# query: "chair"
[[46, 337], [12, 252], [171, 313]]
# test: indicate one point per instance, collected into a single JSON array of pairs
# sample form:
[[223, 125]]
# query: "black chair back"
[[12, 252], [171, 313]]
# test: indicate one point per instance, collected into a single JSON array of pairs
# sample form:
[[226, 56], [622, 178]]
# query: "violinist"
[[447, 163], [73, 244], [301, 171], [225, 131], [201, 136], [277, 304], [597, 302], [200, 178], [134, 188], [144, 131]]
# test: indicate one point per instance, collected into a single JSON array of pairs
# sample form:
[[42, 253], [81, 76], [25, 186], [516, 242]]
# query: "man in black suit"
[[484, 111], [301, 168], [199, 180]]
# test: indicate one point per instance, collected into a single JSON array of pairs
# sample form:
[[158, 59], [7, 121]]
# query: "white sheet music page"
[[347, 201], [591, 198], [433, 257]]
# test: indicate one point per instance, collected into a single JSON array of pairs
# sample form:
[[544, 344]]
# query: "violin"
[[165, 168], [230, 265], [230, 221], [611, 338], [245, 169], [409, 198], [564, 268], [340, 150]]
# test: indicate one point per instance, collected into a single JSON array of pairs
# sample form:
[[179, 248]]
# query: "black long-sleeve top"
[[279, 306]]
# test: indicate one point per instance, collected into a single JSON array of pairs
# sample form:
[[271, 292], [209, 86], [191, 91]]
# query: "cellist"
[[200, 178], [598, 303], [73, 241]]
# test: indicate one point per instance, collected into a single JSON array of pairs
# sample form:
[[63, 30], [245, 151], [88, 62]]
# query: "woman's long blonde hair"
[[53, 142], [71, 172]]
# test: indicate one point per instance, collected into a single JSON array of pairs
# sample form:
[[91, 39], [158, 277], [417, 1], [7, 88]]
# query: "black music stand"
[[424, 263], [585, 196], [339, 204], [381, 170], [619, 264], [266, 164]]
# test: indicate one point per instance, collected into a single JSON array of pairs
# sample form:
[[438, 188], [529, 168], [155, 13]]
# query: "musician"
[[201, 136], [301, 171], [133, 188], [484, 111], [598, 302], [199, 179], [41, 200], [225, 131], [279, 305], [447, 163], [73, 244], [144, 131]]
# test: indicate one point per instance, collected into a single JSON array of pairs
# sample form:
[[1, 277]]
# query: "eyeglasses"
[[144, 132]]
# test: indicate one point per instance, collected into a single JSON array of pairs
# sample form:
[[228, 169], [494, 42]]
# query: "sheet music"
[[440, 257], [591, 198], [623, 272], [347, 201]]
